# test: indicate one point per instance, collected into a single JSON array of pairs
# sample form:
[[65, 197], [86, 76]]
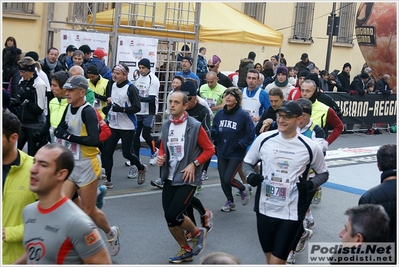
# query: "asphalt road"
[[145, 238]]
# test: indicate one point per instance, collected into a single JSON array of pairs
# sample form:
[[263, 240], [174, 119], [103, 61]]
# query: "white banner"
[[132, 49], [78, 38]]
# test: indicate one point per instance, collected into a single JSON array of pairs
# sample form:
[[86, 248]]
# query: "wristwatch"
[[196, 163]]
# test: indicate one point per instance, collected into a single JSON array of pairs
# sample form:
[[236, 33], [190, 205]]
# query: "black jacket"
[[344, 78]]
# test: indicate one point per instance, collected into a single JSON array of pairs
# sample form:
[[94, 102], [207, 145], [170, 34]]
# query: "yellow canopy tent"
[[218, 23]]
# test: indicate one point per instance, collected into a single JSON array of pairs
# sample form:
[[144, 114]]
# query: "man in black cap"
[[245, 65], [63, 58], [305, 63], [359, 84], [278, 220], [185, 51], [186, 72], [87, 53]]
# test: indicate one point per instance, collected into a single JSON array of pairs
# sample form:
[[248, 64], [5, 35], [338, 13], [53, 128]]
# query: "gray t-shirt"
[[62, 234]]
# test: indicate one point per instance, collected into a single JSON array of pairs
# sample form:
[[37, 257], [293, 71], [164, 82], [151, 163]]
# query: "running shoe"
[[245, 195], [206, 220], [204, 176], [308, 223], [127, 163], [229, 206], [113, 240], [302, 242], [153, 158], [103, 175], [291, 258], [198, 242], [317, 197], [182, 256], [100, 196], [250, 191], [109, 185], [157, 183], [132, 172], [142, 174], [188, 236]]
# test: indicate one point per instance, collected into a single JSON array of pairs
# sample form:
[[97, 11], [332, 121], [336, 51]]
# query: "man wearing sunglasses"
[[286, 158], [214, 65]]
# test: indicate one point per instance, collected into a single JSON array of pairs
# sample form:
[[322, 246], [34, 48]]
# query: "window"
[[26, 8], [347, 16], [303, 21], [256, 11]]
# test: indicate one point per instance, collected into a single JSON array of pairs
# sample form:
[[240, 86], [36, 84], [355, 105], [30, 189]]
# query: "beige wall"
[[28, 30], [279, 16]]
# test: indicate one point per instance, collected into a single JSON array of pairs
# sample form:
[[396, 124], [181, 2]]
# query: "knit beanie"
[[145, 62], [283, 70], [314, 77], [33, 55], [92, 70], [303, 73], [347, 64], [189, 59], [251, 55]]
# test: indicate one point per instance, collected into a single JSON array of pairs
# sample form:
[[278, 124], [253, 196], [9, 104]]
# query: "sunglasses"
[[211, 66]]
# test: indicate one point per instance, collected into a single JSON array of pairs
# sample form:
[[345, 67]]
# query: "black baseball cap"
[[71, 48], [291, 108], [85, 49]]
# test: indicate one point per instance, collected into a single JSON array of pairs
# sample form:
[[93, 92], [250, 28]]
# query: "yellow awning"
[[219, 22]]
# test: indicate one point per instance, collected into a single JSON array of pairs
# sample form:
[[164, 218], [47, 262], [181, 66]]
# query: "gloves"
[[255, 179], [63, 125], [238, 147], [37, 136], [106, 109], [62, 133], [117, 108]]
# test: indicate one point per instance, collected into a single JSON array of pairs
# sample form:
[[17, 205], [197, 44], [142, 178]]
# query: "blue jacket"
[[202, 68], [103, 69]]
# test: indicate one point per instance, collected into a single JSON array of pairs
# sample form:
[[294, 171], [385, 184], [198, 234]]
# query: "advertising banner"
[[78, 38], [368, 109], [132, 49]]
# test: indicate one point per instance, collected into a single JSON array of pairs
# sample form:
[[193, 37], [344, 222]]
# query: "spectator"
[[186, 64], [234, 78], [281, 81], [305, 63], [214, 65], [333, 81], [87, 53], [268, 73], [63, 58], [185, 52], [371, 81], [274, 60], [245, 65], [98, 61], [385, 193], [292, 76], [16, 175], [324, 78], [295, 93], [50, 64], [315, 70], [10, 57], [77, 60], [202, 65], [259, 67], [383, 85], [359, 84], [344, 78]]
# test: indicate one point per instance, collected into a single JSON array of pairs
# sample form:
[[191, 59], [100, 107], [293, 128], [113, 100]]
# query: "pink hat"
[[215, 60], [99, 53]]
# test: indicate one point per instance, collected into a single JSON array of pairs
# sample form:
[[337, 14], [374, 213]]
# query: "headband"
[[27, 67], [121, 68], [233, 94]]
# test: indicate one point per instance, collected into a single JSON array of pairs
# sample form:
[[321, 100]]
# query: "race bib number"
[[112, 117], [211, 102], [276, 190]]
